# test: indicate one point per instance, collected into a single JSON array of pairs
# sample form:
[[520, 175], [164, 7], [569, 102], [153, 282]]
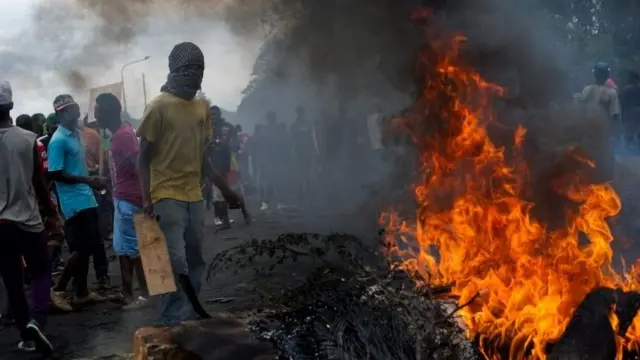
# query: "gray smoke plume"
[[74, 39]]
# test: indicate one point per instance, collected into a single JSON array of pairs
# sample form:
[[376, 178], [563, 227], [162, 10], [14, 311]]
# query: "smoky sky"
[[72, 39]]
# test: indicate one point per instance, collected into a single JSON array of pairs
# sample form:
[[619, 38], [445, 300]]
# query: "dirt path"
[[105, 330]]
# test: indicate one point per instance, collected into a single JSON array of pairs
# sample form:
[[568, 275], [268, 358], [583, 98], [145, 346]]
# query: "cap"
[[62, 101], [6, 94], [51, 119]]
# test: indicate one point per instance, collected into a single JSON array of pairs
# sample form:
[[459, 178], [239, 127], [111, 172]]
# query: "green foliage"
[[599, 31]]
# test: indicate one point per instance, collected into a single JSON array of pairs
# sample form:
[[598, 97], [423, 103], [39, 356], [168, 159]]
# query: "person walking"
[[21, 227]]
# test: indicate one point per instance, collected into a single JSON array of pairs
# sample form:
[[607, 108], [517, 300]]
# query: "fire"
[[474, 229]]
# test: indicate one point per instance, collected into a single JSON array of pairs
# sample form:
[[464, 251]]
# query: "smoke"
[[339, 59], [72, 45], [343, 58]]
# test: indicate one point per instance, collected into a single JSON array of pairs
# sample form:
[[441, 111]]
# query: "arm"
[[615, 109], [150, 133], [147, 151], [65, 178], [39, 183]]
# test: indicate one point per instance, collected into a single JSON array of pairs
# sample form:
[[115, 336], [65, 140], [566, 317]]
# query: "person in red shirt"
[[127, 194], [26, 122]]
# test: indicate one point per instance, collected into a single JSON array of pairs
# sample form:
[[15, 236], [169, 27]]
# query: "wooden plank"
[[155, 256]]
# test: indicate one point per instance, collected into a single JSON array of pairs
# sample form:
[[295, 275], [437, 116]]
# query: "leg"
[[36, 256], [68, 272], [82, 228], [11, 269], [73, 234], [195, 262], [193, 237], [125, 243], [96, 241], [222, 210], [142, 281], [173, 220], [126, 271]]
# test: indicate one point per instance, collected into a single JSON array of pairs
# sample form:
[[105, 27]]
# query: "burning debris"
[[350, 307], [516, 215], [590, 333], [354, 307]]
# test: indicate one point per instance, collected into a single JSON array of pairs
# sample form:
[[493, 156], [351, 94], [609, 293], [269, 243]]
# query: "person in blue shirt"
[[68, 168]]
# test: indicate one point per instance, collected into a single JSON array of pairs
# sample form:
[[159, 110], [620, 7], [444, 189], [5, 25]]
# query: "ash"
[[348, 311]]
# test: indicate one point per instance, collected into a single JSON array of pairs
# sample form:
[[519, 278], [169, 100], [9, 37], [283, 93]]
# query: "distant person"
[[631, 92], [127, 195], [25, 121], [242, 156], [50, 127], [92, 147], [273, 165], [630, 103], [174, 136], [39, 120], [304, 154], [21, 227], [221, 154], [599, 94], [68, 168], [257, 157]]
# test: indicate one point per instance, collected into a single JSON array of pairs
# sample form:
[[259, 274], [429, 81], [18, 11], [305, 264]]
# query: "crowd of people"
[[59, 184], [65, 184]]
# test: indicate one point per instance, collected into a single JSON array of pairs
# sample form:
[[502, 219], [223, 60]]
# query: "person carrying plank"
[[174, 137]]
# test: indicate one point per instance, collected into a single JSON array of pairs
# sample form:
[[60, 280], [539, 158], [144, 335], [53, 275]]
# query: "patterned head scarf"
[[186, 69]]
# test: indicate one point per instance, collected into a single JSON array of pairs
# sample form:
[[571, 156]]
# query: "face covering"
[[186, 69]]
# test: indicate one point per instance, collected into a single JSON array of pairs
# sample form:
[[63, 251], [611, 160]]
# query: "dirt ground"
[[105, 330]]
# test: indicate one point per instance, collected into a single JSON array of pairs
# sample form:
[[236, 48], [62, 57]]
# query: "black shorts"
[[83, 230]]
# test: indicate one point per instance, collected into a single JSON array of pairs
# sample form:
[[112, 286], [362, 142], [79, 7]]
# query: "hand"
[[148, 207], [97, 182]]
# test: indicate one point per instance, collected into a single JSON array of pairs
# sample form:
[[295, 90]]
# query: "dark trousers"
[[16, 244], [83, 237]]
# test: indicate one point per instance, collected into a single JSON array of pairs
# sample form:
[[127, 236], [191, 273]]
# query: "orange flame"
[[529, 278]]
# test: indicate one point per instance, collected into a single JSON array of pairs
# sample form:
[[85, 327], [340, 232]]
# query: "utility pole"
[[144, 90], [124, 96]]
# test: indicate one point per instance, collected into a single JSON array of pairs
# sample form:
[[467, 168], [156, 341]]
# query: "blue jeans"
[[183, 226]]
